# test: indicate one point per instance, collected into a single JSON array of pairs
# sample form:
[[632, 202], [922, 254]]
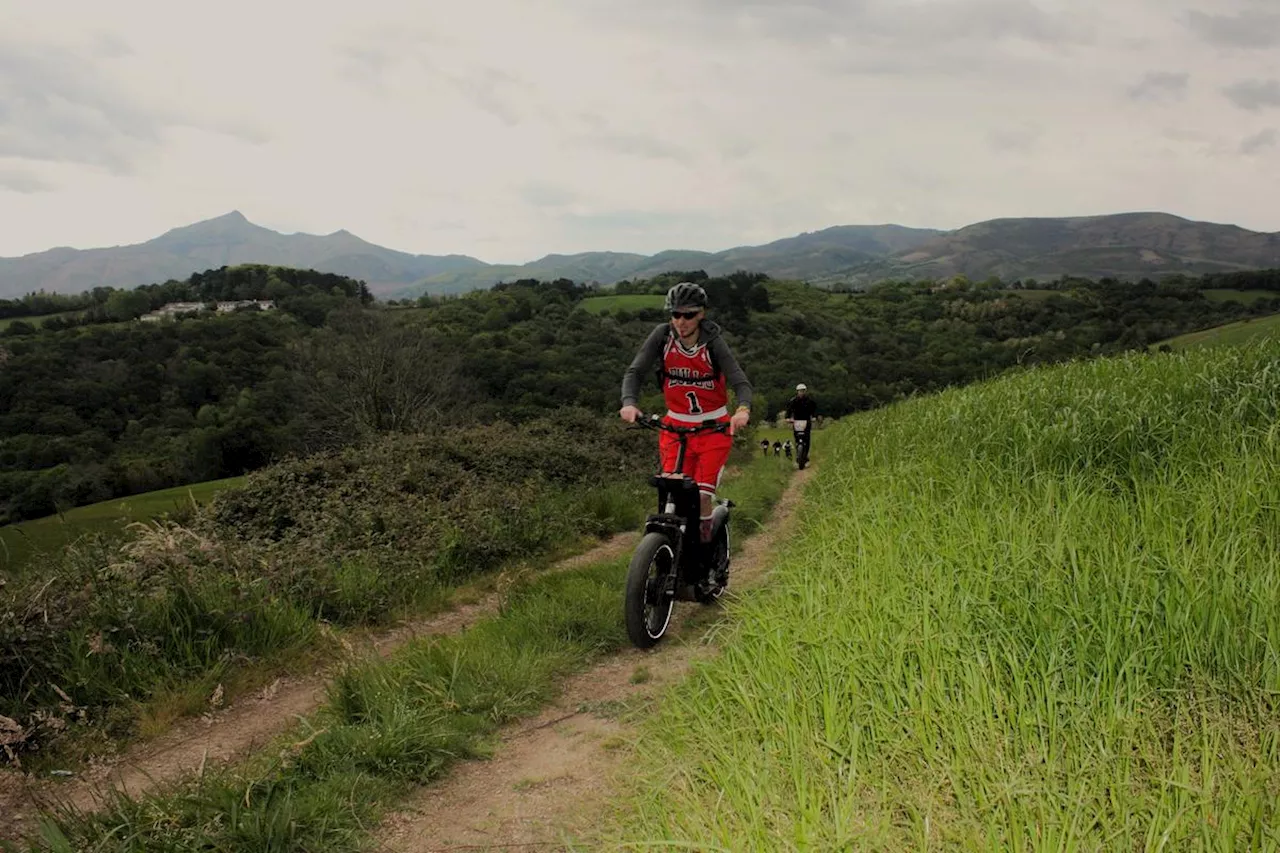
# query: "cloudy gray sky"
[[508, 129]]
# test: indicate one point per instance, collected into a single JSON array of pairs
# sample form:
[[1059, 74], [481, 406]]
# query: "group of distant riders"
[[695, 368]]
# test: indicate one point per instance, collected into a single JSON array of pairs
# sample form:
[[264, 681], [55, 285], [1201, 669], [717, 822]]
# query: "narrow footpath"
[[225, 736], [550, 776]]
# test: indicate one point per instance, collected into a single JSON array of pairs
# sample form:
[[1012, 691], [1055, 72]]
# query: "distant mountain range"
[[224, 241], [1124, 245], [1121, 245]]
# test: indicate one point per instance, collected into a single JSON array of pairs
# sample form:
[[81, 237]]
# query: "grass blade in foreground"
[[1042, 613]]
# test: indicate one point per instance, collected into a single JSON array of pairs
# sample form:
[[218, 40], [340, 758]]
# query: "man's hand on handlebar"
[[629, 414], [739, 420]]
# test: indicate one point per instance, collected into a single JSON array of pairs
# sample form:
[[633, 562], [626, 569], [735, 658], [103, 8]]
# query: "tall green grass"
[[1042, 613], [388, 726]]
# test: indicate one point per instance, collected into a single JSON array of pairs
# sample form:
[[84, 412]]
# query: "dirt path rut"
[[549, 776], [226, 736]]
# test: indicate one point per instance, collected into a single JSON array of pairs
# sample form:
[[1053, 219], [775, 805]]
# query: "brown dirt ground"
[[550, 776], [228, 735]]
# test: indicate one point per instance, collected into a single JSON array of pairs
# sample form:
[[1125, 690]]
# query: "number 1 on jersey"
[[694, 408]]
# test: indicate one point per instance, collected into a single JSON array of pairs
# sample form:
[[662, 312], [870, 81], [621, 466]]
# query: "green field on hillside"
[[623, 302], [5, 322], [1229, 334], [1248, 297], [22, 542], [1041, 613]]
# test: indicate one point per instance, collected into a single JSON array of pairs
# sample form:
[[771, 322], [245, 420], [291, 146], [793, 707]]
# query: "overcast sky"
[[507, 129]]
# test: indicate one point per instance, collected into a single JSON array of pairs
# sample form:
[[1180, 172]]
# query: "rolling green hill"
[[1226, 334], [1034, 614], [20, 542]]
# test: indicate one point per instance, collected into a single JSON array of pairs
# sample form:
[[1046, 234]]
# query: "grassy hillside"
[[623, 302], [1229, 333], [1041, 613], [1248, 297], [20, 543], [6, 322]]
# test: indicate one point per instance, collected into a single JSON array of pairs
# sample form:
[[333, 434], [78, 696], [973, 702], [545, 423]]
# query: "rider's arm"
[[650, 351], [733, 372]]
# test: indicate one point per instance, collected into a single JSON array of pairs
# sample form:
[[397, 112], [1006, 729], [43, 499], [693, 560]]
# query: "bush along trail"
[[1042, 613], [111, 642], [389, 723]]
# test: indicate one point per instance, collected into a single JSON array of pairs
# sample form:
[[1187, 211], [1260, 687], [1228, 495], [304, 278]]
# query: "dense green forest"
[[93, 409], [94, 404], [526, 348]]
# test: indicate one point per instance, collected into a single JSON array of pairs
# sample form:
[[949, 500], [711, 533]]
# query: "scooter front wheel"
[[649, 600]]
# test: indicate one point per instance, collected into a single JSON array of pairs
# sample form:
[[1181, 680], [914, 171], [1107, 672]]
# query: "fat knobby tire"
[[637, 579]]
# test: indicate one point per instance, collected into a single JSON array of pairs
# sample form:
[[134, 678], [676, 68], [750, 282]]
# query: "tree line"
[[307, 294], [97, 411]]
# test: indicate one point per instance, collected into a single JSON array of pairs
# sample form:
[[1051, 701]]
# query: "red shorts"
[[704, 457]]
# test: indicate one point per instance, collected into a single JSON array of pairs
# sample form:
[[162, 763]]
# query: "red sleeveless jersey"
[[691, 389]]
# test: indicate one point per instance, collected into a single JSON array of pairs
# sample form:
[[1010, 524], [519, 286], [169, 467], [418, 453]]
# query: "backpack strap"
[[662, 365]]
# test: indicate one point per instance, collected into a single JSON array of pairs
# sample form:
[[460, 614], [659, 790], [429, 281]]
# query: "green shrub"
[[347, 537]]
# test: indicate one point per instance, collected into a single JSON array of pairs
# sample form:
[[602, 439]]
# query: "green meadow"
[[1039, 613], [25, 541], [622, 302], [1228, 334]]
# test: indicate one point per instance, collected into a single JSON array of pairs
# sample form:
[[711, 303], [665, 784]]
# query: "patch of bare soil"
[[550, 776], [227, 735]]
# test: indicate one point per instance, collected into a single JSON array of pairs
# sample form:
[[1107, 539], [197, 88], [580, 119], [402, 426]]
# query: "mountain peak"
[[233, 221], [228, 223]]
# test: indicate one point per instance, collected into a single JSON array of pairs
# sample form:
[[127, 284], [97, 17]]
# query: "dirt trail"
[[551, 775], [225, 736]]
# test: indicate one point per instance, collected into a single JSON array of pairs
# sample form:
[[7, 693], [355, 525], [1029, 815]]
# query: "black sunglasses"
[[684, 315]]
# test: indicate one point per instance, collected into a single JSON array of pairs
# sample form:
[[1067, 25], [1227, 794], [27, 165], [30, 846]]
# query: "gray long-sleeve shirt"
[[651, 353]]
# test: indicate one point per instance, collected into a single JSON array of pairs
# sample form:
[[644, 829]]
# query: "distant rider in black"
[[800, 412]]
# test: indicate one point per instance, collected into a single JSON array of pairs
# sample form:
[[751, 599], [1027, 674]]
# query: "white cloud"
[[507, 129]]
